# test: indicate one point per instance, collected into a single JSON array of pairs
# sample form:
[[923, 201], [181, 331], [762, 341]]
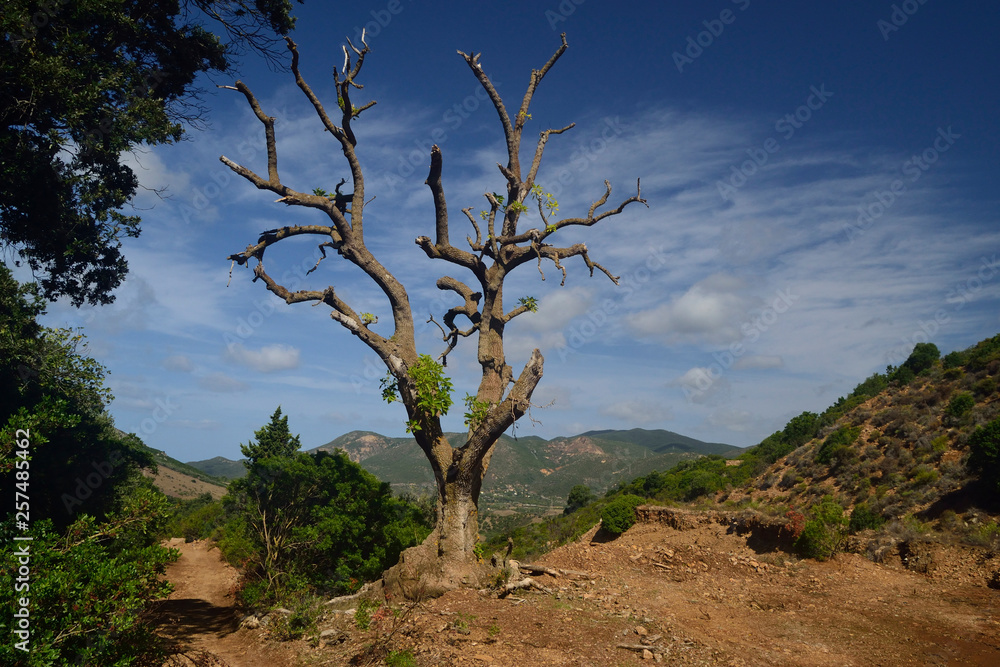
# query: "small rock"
[[641, 631], [647, 654]]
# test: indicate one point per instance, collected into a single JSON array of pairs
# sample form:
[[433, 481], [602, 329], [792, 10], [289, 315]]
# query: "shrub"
[[984, 457], [619, 515], [864, 518], [837, 445], [960, 405], [985, 387], [954, 359], [823, 534], [579, 496]]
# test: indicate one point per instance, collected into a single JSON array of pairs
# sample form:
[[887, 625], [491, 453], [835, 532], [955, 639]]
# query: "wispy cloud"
[[268, 359]]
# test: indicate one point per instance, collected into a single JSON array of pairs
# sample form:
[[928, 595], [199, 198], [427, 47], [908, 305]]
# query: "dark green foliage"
[[864, 518], [800, 430], [960, 405], [984, 354], [76, 456], [92, 587], [619, 515], [984, 452], [954, 359], [837, 446], [196, 519], [872, 386], [319, 521], [824, 532], [579, 496], [84, 82], [95, 560], [923, 357], [901, 376], [272, 439]]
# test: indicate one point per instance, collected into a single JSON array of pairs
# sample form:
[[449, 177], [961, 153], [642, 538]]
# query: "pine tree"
[[272, 440]]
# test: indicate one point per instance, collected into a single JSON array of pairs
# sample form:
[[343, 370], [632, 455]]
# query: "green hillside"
[[220, 467], [530, 472], [189, 469]]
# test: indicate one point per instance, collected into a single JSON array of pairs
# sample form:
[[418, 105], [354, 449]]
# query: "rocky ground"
[[691, 594]]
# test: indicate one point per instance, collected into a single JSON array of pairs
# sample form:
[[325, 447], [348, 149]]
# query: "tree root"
[[527, 582]]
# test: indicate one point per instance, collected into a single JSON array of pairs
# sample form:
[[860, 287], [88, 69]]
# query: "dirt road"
[[200, 617]]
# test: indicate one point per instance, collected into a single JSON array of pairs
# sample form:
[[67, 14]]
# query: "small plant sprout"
[[528, 302], [547, 205], [368, 318], [475, 411]]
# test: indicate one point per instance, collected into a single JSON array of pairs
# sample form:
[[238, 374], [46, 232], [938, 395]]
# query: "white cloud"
[[703, 384], [268, 359], [222, 383], [758, 362], [639, 411], [710, 311], [179, 363]]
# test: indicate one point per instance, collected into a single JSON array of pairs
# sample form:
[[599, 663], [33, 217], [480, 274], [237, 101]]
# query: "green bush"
[[579, 496], [195, 519], [984, 452], [837, 445], [824, 532], [960, 405], [92, 587], [619, 515], [346, 526], [864, 518]]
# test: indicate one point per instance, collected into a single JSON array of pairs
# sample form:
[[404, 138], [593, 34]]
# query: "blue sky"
[[821, 180]]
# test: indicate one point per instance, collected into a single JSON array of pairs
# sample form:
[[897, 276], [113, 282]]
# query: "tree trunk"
[[446, 559]]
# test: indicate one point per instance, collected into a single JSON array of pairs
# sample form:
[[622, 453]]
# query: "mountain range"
[[524, 471]]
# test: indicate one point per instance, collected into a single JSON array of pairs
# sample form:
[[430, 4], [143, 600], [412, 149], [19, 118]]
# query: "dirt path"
[[200, 617], [697, 596]]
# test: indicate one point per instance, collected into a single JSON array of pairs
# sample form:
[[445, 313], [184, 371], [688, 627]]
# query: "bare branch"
[[508, 129], [589, 221], [470, 308], [268, 122], [543, 138]]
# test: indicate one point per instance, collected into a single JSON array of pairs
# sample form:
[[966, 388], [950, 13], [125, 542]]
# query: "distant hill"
[[220, 467], [525, 473], [531, 471], [183, 480]]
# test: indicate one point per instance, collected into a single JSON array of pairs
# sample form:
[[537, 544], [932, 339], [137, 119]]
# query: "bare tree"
[[446, 559]]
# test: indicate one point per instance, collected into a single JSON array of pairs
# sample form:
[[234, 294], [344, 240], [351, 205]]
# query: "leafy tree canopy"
[[272, 440], [81, 82], [317, 520], [48, 388], [579, 496]]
